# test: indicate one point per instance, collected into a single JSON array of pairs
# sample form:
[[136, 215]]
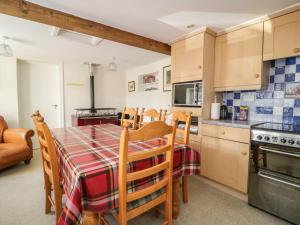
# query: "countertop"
[[230, 123]]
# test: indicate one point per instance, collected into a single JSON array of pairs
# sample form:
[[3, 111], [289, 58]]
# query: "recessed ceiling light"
[[190, 26]]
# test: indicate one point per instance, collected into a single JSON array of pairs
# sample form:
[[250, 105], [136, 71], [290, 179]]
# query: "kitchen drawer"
[[228, 133]]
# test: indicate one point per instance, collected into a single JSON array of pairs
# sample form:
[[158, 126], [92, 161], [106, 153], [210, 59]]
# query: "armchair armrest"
[[18, 135]]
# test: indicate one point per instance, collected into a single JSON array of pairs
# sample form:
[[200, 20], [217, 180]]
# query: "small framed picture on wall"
[[131, 86], [167, 85]]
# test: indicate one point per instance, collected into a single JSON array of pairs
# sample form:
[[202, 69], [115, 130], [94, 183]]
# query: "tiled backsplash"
[[274, 104]]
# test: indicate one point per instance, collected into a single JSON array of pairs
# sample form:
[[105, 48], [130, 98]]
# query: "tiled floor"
[[22, 203]]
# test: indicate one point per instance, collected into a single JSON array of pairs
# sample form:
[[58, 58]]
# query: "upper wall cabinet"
[[187, 59], [281, 36], [238, 60]]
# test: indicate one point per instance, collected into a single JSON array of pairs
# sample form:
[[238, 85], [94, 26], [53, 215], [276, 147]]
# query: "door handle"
[[277, 179], [273, 150], [55, 106]]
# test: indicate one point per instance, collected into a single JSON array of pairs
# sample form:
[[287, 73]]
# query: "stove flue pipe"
[[91, 68]]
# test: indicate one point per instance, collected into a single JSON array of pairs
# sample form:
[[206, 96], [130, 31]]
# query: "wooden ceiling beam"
[[30, 11]]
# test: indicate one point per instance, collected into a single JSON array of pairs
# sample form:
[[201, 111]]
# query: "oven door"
[[274, 181]]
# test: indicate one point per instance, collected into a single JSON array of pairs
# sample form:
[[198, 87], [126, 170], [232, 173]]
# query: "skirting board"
[[223, 188]]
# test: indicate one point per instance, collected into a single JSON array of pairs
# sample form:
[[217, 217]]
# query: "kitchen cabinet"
[[238, 60], [225, 159], [192, 58], [187, 59], [281, 36]]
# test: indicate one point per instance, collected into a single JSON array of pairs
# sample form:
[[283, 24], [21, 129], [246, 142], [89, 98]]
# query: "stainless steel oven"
[[187, 94], [274, 173]]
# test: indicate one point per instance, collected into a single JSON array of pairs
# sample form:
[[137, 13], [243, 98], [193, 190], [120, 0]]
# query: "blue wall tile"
[[290, 77], [237, 95], [261, 107], [279, 70], [297, 103], [298, 68], [290, 61], [229, 102], [296, 120]]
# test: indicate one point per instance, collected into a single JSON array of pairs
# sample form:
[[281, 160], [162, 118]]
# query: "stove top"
[[279, 127], [277, 134]]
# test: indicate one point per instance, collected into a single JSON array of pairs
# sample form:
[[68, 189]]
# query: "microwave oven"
[[187, 94]]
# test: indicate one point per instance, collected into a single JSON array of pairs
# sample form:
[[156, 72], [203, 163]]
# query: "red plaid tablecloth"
[[89, 157]]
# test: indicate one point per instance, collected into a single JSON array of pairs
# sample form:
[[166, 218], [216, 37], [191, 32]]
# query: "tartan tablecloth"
[[89, 157]]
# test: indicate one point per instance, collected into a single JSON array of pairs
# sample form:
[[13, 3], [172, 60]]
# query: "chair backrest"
[[185, 119], [149, 131], [151, 114], [132, 113], [47, 148]]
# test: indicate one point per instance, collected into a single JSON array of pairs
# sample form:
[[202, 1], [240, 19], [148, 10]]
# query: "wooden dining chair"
[[151, 114], [129, 116], [183, 118], [50, 166], [135, 203]]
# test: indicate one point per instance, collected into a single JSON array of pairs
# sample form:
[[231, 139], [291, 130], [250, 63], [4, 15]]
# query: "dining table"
[[88, 158]]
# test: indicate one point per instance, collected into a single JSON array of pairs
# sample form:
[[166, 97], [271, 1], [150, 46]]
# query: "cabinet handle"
[[256, 75], [199, 67], [223, 132], [296, 50], [244, 153]]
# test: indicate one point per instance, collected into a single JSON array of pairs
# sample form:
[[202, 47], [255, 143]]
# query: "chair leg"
[[168, 207], [47, 194], [185, 189], [27, 161], [58, 203]]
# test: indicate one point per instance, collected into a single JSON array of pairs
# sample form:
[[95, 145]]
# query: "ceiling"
[[33, 41], [165, 20], [161, 20]]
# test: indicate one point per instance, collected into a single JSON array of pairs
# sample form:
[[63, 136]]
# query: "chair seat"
[[142, 201], [11, 152]]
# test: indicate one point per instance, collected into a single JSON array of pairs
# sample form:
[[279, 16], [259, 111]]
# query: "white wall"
[[148, 99], [9, 91], [109, 88]]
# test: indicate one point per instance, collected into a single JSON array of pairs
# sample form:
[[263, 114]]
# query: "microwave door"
[[190, 96]]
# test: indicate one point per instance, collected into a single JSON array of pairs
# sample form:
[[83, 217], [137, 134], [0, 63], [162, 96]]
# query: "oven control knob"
[[274, 139], [298, 143], [283, 140], [291, 142], [267, 138], [259, 137]]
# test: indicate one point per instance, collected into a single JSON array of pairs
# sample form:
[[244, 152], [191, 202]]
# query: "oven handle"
[[278, 180], [278, 151]]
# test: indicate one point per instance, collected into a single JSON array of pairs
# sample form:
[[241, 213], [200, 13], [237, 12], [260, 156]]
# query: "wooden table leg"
[[185, 189], [90, 218], [175, 199]]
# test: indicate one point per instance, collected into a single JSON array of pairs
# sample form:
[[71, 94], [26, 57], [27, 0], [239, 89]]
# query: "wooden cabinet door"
[[225, 162], [187, 59], [238, 59], [281, 36]]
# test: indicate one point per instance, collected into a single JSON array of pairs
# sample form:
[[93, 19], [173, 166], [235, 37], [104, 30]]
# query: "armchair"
[[15, 145]]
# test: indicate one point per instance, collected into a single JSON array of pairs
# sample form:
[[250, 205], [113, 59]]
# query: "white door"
[[39, 89]]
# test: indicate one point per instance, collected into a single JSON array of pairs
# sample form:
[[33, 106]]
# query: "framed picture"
[[167, 86], [131, 86], [148, 82], [292, 90]]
